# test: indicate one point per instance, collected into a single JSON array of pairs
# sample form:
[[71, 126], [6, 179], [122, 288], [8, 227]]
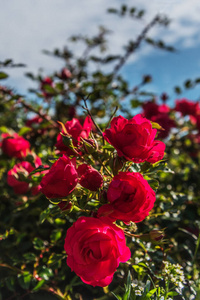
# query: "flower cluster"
[[94, 244]]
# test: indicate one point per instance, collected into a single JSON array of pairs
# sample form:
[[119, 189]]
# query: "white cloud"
[[28, 26]]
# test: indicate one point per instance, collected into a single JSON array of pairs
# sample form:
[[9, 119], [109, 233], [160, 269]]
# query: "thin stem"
[[89, 113], [135, 45]]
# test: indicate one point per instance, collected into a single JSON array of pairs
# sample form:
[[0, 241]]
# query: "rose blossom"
[[20, 187], [134, 139], [89, 177], [15, 145], [61, 179], [77, 131], [95, 247], [24, 168], [131, 198], [187, 107]]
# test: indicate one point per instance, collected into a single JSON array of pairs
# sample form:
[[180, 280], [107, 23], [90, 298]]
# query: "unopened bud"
[[65, 206], [156, 235], [90, 145]]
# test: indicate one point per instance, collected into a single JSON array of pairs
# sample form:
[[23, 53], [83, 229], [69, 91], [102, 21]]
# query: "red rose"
[[23, 169], [134, 139], [13, 178], [187, 107], [61, 179], [95, 247], [15, 145], [131, 198], [77, 131], [89, 178]]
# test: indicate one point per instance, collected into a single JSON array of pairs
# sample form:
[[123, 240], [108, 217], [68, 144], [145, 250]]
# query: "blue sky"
[[28, 27]]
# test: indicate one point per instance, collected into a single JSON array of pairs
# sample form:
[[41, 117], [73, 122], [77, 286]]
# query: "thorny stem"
[[136, 45]]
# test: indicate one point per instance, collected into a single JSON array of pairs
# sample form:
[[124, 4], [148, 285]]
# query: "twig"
[[116, 109], [89, 113], [44, 117], [135, 45]]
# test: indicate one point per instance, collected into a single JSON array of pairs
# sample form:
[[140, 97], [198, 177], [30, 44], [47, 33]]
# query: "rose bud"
[[65, 206], [66, 74], [134, 139], [89, 177], [156, 235], [131, 198], [15, 145], [94, 248], [90, 145], [61, 179]]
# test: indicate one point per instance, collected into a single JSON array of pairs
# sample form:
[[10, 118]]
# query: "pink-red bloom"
[[61, 179], [134, 139], [18, 177], [15, 145], [94, 248], [159, 114], [187, 107], [131, 198], [76, 131], [13, 178], [89, 177]]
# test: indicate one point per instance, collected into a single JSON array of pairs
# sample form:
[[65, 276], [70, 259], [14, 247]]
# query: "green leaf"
[[24, 280], [29, 257], [172, 294], [3, 75], [55, 235], [119, 298], [10, 283], [135, 103], [24, 130], [38, 244], [177, 90], [39, 285], [128, 287], [150, 293], [39, 169]]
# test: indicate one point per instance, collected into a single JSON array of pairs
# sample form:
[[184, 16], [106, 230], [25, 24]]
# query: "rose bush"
[[134, 139], [95, 247], [61, 179], [131, 198]]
